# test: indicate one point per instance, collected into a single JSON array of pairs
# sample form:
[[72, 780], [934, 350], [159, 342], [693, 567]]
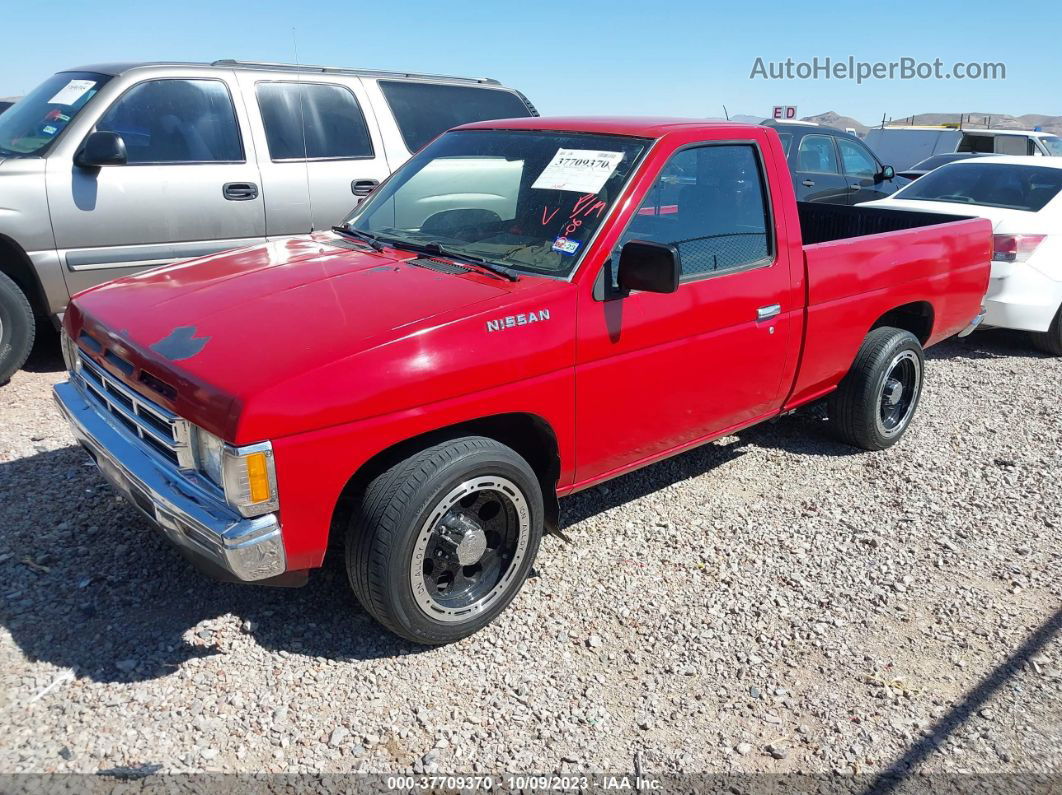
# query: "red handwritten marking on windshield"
[[545, 219]]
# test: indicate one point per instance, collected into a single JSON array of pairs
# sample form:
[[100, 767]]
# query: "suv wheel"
[[443, 540], [875, 402], [17, 328]]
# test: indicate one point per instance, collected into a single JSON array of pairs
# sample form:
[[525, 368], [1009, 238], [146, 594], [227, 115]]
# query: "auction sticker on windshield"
[[72, 92], [579, 170]]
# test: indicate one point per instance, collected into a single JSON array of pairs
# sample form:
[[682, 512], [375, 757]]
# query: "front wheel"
[[17, 328], [874, 404], [1050, 341], [443, 541]]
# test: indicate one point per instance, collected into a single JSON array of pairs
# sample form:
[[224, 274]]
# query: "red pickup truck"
[[525, 309]]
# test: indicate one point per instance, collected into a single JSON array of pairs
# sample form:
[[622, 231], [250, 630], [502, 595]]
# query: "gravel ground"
[[772, 602]]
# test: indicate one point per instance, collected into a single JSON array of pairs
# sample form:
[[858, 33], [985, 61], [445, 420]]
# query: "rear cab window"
[[425, 110]]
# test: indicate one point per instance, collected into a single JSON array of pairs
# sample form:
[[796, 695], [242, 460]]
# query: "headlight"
[[208, 452], [246, 474], [69, 348]]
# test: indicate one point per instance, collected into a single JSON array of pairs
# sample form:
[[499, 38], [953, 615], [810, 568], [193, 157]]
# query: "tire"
[[17, 328], [874, 404], [1050, 341], [423, 527]]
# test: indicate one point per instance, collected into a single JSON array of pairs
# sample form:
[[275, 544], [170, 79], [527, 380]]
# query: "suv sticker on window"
[[579, 170], [72, 92]]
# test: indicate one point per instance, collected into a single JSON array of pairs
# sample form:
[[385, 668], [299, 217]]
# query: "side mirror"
[[888, 172], [649, 267], [101, 149]]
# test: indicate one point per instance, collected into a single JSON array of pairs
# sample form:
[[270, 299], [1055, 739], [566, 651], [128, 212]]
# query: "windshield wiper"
[[364, 237], [439, 250]]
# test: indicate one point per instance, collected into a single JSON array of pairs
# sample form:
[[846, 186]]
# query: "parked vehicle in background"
[[577, 299], [905, 146], [832, 166], [109, 169], [1023, 200], [923, 167]]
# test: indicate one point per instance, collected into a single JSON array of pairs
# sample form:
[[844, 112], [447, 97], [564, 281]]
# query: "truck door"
[[656, 371], [189, 187], [319, 154], [817, 172]]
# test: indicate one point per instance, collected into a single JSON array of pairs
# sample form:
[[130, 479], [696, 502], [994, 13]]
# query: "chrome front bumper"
[[191, 517]]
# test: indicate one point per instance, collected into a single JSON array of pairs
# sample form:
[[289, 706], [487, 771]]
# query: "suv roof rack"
[[345, 71]]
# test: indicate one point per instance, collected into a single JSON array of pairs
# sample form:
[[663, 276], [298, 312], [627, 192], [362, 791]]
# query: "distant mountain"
[[997, 121], [832, 119]]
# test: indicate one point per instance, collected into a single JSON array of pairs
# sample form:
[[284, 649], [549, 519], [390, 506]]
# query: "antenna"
[[727, 115], [302, 125]]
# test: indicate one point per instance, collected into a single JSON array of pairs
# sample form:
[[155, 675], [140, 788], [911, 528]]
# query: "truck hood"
[[221, 328]]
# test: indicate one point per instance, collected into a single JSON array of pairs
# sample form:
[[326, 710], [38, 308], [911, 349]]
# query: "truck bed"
[[863, 262], [822, 223]]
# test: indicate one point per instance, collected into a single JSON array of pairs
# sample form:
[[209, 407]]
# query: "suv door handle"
[[808, 183], [854, 188], [239, 191], [363, 187], [767, 312]]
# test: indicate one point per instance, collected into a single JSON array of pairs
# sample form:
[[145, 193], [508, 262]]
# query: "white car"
[[1022, 197]]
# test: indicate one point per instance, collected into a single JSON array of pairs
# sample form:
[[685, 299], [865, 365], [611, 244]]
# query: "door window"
[[710, 203], [857, 161], [816, 155], [424, 110], [176, 121], [976, 143], [313, 121], [1012, 145]]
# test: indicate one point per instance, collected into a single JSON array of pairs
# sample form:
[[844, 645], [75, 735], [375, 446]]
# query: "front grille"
[[160, 430]]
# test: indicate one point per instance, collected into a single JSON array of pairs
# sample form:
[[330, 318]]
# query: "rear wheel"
[[17, 328], [1050, 341], [442, 541], [875, 402]]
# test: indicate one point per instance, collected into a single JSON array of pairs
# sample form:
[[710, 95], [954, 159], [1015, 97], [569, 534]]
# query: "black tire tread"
[[846, 405], [1050, 341], [377, 525], [20, 350]]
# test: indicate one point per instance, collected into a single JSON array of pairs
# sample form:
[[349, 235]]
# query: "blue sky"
[[682, 57]]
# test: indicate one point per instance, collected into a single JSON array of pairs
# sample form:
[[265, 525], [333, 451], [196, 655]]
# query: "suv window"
[[176, 121], [312, 121], [857, 161], [816, 155], [424, 110], [710, 203]]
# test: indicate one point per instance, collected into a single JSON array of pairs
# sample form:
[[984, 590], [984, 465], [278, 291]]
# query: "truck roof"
[[121, 67], [636, 126]]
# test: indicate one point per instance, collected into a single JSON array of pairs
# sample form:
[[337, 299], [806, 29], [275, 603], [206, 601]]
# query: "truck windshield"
[[29, 126], [1053, 144], [529, 200]]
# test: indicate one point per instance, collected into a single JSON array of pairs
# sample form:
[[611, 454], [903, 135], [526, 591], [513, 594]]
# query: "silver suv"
[[108, 169]]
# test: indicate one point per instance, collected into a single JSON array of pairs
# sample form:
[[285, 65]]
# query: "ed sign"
[[784, 112]]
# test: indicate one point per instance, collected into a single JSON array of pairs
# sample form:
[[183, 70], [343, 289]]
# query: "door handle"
[[854, 188], [767, 312], [239, 191], [808, 183], [363, 187]]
